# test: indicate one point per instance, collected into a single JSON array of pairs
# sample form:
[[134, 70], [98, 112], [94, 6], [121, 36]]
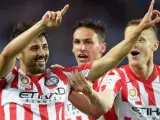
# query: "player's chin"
[[40, 69]]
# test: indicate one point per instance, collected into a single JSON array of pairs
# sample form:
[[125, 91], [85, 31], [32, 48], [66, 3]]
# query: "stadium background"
[[114, 13]]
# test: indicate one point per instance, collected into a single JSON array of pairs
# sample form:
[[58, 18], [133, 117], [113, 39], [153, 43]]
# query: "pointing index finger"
[[151, 6], [63, 11]]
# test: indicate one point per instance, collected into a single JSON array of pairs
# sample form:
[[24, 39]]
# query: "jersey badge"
[[133, 95], [51, 81], [25, 82]]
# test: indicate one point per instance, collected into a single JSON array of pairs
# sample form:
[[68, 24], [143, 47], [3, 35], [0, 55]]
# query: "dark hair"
[[22, 27], [137, 22], [97, 26]]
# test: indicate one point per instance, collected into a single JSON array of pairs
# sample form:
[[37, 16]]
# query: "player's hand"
[[56, 66], [150, 18], [53, 19], [79, 83]]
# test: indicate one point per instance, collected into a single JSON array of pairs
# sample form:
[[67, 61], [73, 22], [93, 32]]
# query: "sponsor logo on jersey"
[[35, 97], [152, 113], [51, 81]]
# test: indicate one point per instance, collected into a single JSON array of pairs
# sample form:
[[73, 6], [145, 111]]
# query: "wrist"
[[41, 26], [139, 29]]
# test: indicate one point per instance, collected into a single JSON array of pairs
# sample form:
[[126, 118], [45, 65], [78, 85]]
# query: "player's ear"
[[19, 56], [155, 45], [103, 48]]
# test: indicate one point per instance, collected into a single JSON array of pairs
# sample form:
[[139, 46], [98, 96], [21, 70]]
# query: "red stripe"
[[117, 86], [124, 92], [68, 119], [43, 112], [13, 111], [58, 107], [3, 82], [2, 115], [111, 114], [78, 118], [151, 96], [14, 83], [28, 115], [127, 118], [97, 83], [39, 88], [63, 112]]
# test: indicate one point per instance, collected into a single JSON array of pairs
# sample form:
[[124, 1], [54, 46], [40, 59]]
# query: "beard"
[[37, 69]]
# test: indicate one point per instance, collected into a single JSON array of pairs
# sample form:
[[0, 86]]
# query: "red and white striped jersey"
[[40, 97], [136, 98], [72, 113]]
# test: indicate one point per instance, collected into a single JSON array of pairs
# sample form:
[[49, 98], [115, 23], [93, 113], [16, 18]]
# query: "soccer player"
[[32, 92], [88, 45], [136, 86]]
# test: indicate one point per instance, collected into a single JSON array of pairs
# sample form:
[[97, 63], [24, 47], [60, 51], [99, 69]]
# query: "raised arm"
[[120, 51], [8, 55]]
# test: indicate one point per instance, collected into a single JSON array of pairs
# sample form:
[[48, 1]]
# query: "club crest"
[[51, 81]]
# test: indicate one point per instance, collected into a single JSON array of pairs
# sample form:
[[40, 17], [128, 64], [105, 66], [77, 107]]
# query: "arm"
[[8, 55], [84, 104], [120, 51]]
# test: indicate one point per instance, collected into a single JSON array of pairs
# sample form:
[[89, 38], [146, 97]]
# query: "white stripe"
[[35, 88], [7, 112], [51, 112], [20, 112], [143, 94], [156, 89], [10, 77], [35, 109], [41, 83]]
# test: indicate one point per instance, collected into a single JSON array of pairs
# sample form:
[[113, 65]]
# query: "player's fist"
[[53, 19]]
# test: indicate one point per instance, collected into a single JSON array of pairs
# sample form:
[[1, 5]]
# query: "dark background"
[[114, 13]]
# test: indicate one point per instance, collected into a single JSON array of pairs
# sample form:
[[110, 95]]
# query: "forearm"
[[98, 101], [85, 105], [20, 42], [114, 56]]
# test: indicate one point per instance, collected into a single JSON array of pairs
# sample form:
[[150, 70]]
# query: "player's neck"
[[143, 70]]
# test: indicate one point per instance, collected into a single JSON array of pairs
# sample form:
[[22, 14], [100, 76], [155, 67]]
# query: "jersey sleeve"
[[11, 75], [112, 80]]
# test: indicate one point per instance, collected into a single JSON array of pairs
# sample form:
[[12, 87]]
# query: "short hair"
[[97, 26], [137, 22], [22, 27]]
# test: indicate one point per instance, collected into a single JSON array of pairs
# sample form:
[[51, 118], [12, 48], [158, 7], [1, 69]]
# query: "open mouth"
[[135, 53], [82, 56]]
